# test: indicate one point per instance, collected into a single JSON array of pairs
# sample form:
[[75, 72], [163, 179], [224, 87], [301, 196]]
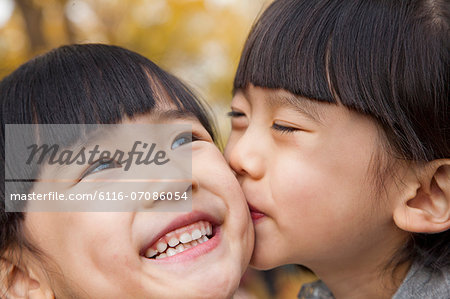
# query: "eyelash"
[[235, 114], [276, 127], [190, 136], [283, 129]]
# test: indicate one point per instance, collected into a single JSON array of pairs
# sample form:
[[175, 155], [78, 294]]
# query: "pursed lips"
[[255, 213]]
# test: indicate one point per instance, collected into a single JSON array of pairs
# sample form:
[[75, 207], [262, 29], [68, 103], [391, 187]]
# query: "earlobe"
[[425, 207]]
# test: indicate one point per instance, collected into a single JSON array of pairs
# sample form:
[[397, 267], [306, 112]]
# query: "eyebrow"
[[172, 114], [307, 107]]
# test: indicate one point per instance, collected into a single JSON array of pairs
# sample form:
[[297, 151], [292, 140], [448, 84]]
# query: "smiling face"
[[306, 170], [198, 254]]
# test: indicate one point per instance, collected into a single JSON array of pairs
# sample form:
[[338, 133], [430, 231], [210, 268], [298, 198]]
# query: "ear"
[[425, 206], [16, 282]]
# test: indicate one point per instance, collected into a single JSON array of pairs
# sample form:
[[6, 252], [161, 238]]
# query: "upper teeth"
[[180, 239]]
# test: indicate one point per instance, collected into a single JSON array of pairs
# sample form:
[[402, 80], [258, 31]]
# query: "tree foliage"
[[198, 40]]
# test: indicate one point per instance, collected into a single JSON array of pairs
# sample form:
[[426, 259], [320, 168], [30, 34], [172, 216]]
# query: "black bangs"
[[287, 49], [388, 59], [91, 84]]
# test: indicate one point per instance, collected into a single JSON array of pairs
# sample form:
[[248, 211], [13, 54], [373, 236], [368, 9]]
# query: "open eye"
[[182, 139], [100, 165]]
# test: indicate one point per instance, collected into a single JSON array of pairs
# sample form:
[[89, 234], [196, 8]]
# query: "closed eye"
[[284, 129], [234, 113]]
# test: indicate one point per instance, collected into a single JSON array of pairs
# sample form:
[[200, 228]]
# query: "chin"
[[263, 259], [216, 283], [259, 262]]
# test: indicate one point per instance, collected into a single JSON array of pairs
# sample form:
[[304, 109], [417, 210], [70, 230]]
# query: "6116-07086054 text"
[[103, 196]]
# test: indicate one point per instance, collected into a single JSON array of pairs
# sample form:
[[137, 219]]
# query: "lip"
[[255, 213], [179, 222]]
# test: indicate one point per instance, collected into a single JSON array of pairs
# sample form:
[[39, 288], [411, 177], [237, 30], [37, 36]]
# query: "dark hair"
[[388, 59], [84, 84]]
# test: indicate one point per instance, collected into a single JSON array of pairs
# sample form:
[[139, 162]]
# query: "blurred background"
[[198, 40]]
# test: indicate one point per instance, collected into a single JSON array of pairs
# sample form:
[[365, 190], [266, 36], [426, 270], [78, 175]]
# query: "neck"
[[364, 275], [367, 283]]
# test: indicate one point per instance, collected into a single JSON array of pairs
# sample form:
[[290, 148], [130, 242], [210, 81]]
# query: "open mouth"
[[180, 240]]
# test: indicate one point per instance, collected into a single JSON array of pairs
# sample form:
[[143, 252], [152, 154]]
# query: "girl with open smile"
[[195, 252]]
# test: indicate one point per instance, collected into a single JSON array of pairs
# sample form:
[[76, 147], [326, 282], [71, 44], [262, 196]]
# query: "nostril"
[[238, 164], [193, 186]]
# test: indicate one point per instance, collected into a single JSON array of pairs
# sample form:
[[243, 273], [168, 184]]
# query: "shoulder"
[[315, 290], [422, 282]]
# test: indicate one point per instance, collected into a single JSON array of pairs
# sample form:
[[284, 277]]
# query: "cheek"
[[212, 171], [229, 147], [294, 185], [318, 188], [319, 209], [215, 175], [88, 248]]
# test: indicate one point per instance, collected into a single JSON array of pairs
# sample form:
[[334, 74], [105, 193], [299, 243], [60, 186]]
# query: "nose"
[[246, 153], [171, 186]]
